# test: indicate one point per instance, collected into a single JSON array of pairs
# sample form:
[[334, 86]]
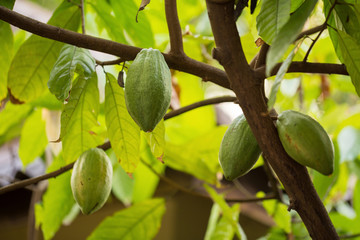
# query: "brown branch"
[[111, 62], [306, 67], [247, 87], [127, 53], [175, 34], [199, 104], [261, 60], [24, 183], [311, 31], [27, 182]]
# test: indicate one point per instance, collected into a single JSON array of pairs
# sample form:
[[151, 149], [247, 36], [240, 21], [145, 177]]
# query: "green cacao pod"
[[148, 89], [239, 149], [91, 180], [306, 141]]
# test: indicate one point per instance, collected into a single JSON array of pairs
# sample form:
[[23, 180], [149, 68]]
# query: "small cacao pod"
[[239, 149], [91, 180], [148, 89], [306, 141]]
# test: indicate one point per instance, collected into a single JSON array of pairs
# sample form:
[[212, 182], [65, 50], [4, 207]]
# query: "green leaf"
[[323, 184], [12, 114], [343, 17], [139, 32], [48, 101], [279, 213], [288, 34], [156, 140], [7, 3], [228, 213], [295, 4], [6, 49], [124, 133], [122, 184], [57, 201], [79, 118], [273, 15], [349, 143], [214, 216], [141, 221], [145, 180], [106, 20], [30, 68], [280, 75], [33, 139], [224, 230], [356, 199], [11, 133], [350, 51], [71, 59], [198, 157]]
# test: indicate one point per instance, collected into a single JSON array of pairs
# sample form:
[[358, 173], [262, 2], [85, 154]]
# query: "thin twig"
[[273, 181], [199, 194], [308, 67], [24, 183], [34, 180], [199, 104], [111, 62], [82, 16], [311, 31], [320, 32], [175, 34], [349, 236]]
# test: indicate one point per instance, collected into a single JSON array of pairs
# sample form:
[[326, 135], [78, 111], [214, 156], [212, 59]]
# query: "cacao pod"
[[239, 149], [148, 89], [91, 180], [306, 141]]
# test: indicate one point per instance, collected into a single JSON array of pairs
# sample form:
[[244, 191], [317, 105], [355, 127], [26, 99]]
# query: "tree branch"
[[111, 62], [247, 87], [24, 183], [199, 104], [27, 182], [320, 32], [175, 34], [127, 53], [306, 67], [198, 193], [311, 31]]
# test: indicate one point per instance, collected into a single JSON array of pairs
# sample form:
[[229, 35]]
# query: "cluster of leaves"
[[43, 77]]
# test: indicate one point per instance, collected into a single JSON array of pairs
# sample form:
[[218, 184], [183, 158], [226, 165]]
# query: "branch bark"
[[172, 19], [247, 87], [125, 52], [306, 67]]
